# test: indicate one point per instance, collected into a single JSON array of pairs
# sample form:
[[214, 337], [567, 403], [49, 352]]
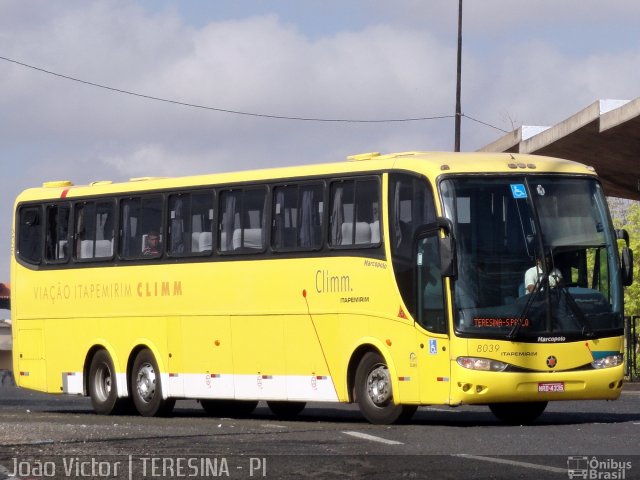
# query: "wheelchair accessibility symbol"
[[518, 190]]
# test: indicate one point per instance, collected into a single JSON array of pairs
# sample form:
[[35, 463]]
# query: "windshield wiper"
[[587, 329], [531, 297]]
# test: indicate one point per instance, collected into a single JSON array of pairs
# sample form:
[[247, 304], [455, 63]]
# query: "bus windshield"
[[537, 258]]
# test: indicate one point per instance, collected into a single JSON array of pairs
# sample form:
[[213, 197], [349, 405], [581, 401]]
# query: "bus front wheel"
[[146, 387], [374, 393], [102, 384], [518, 413]]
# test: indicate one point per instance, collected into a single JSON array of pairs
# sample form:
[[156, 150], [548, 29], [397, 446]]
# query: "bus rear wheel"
[[102, 385], [146, 387], [518, 413], [229, 408], [373, 392], [286, 409]]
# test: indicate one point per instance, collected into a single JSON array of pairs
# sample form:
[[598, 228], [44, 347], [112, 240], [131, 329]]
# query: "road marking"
[[514, 463], [373, 438], [433, 409], [271, 425]]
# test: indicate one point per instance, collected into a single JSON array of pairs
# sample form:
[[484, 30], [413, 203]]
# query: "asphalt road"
[[52, 436]]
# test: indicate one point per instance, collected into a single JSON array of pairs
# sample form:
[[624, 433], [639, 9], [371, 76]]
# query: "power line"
[[484, 123], [234, 112]]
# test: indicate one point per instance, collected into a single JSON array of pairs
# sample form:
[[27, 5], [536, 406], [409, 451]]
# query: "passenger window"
[[30, 234], [242, 220], [355, 213], [297, 217], [410, 207], [141, 227], [190, 223], [93, 230], [57, 233]]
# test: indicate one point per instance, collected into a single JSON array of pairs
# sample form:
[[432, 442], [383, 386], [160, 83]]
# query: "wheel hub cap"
[[146, 382], [379, 386]]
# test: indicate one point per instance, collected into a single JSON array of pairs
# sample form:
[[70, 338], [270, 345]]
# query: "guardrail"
[[632, 347]]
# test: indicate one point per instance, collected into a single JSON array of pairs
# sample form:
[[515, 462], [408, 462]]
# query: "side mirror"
[[448, 260], [626, 266], [447, 245], [623, 235], [626, 258]]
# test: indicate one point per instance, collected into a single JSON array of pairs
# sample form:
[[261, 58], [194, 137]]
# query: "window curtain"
[[337, 217], [308, 219], [228, 222], [177, 229]]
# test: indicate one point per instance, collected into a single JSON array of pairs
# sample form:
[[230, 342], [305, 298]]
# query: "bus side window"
[[242, 223], [190, 221], [57, 233], [355, 215], [30, 234], [141, 221], [93, 230], [297, 217]]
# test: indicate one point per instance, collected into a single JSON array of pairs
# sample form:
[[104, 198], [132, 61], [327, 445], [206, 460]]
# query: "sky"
[[532, 63]]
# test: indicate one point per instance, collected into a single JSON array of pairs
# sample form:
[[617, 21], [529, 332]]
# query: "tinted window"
[[410, 207], [30, 234], [57, 233], [141, 227], [190, 223], [355, 213], [297, 217], [93, 230], [242, 220]]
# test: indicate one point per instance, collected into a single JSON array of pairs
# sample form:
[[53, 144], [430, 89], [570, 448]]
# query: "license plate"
[[551, 387]]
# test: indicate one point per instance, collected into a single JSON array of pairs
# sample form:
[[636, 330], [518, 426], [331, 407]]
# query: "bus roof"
[[431, 164]]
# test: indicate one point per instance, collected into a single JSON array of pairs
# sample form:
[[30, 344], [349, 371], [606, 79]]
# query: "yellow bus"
[[392, 281]]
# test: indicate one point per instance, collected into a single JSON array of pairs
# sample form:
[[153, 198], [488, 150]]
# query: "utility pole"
[[458, 117]]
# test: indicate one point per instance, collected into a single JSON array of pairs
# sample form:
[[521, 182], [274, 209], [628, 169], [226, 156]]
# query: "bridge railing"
[[632, 347]]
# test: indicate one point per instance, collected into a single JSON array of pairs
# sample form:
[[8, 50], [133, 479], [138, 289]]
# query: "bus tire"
[[146, 387], [518, 413], [283, 409], [374, 393], [102, 384], [229, 408]]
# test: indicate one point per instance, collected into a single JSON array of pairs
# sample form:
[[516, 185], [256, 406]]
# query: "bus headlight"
[[608, 361], [485, 364]]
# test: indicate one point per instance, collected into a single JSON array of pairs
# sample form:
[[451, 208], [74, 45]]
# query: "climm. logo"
[[329, 283], [159, 289]]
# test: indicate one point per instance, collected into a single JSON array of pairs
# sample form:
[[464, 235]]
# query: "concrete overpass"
[[605, 135]]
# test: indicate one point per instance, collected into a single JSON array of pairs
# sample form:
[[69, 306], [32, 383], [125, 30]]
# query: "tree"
[[632, 225]]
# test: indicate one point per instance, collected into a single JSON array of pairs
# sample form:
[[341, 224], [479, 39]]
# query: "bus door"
[[431, 317]]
